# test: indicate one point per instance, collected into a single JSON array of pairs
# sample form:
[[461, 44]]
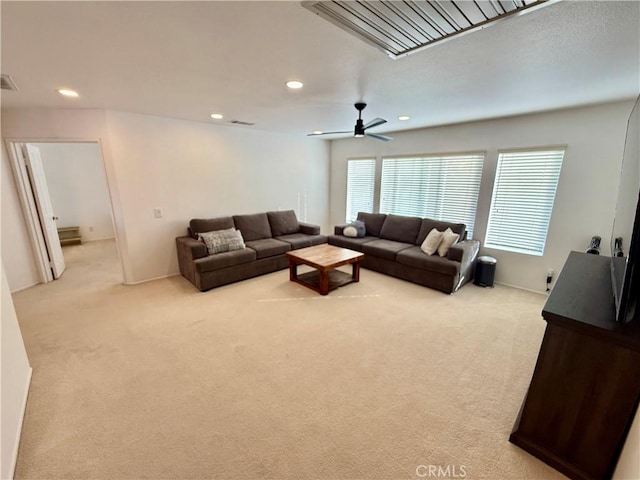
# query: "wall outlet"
[[550, 272], [91, 229], [157, 213]]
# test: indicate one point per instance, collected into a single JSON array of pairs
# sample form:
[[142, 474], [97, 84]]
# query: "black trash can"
[[485, 271]]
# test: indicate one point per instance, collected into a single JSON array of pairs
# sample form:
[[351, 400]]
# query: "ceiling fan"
[[360, 130]]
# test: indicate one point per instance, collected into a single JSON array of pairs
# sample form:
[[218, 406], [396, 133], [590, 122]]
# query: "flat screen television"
[[625, 237]]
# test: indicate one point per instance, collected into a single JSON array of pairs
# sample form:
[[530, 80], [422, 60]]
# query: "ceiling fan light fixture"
[[361, 129], [404, 118], [295, 84]]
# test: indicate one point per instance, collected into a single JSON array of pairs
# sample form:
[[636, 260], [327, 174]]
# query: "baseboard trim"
[[24, 288], [98, 239], [522, 288], [152, 279], [16, 447]]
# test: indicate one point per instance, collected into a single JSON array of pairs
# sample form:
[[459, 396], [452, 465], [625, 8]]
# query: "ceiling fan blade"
[[379, 137], [375, 122], [327, 133]]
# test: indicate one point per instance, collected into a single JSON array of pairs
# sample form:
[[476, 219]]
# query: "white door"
[[45, 211]]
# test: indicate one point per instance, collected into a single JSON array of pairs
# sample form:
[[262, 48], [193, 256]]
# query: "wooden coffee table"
[[325, 259]]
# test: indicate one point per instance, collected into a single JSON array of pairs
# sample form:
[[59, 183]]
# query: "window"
[[361, 175], [439, 187], [522, 202]]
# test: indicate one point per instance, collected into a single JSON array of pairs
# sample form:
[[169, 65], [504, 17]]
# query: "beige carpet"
[[267, 379]]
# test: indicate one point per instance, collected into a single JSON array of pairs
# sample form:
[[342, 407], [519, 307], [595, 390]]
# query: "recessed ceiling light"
[[404, 117], [317, 132], [68, 93], [294, 84], [216, 116]]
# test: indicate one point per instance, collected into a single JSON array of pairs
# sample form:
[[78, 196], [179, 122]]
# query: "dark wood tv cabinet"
[[586, 384]]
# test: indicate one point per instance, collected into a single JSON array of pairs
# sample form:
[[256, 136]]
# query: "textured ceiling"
[[189, 59]]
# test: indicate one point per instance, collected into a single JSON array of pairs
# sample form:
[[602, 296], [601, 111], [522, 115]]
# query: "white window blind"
[[439, 187], [361, 176], [522, 202]]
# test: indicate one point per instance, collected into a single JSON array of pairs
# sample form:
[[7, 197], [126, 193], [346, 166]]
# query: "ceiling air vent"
[[240, 122], [7, 83], [400, 28]]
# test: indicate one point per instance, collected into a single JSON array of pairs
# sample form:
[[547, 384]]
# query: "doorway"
[[64, 192]]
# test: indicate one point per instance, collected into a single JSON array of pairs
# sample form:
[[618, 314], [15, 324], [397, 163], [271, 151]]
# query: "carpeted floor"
[[266, 379]]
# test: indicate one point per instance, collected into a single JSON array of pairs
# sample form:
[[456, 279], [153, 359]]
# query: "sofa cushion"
[[349, 242], [432, 242], [222, 240], [355, 230], [283, 223], [223, 260], [401, 229], [429, 224], [301, 240], [415, 257], [448, 239], [253, 227], [201, 225], [268, 247], [384, 248], [372, 222]]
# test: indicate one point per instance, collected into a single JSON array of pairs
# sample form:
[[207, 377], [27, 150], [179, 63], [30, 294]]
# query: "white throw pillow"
[[355, 229], [448, 239], [350, 231], [431, 243]]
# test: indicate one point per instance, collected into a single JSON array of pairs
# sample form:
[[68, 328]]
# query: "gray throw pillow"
[[355, 230], [222, 241]]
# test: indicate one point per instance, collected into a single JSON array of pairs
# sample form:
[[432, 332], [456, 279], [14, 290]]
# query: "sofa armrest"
[[338, 229], [309, 229], [193, 248], [466, 253], [189, 249]]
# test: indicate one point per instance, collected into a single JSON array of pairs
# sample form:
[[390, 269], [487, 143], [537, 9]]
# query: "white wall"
[[190, 169], [15, 375], [78, 188], [587, 190], [187, 169]]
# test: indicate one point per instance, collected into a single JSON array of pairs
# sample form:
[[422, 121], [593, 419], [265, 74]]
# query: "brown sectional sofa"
[[267, 237], [392, 245]]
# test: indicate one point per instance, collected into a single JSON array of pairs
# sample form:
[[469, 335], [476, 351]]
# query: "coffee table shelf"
[[337, 279]]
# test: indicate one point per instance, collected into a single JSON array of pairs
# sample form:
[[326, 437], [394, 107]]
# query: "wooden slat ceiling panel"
[[403, 27]]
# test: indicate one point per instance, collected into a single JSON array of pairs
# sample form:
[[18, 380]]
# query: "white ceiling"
[[189, 59]]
